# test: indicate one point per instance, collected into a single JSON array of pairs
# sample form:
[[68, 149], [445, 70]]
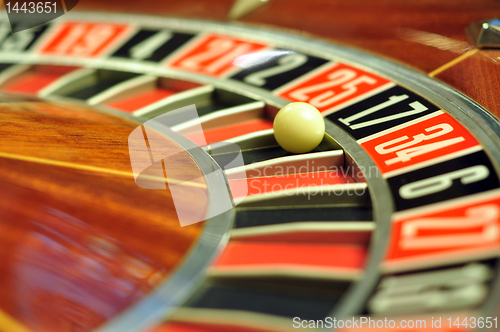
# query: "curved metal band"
[[180, 285]]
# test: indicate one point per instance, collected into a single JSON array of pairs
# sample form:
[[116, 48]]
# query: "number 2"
[[286, 63]]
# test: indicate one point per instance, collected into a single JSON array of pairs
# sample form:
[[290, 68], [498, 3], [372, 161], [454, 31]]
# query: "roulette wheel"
[[392, 222]]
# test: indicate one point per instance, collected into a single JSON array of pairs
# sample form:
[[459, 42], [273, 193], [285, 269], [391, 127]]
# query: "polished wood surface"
[[78, 235], [423, 34]]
